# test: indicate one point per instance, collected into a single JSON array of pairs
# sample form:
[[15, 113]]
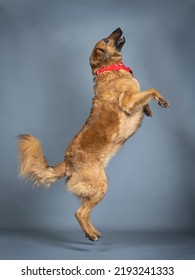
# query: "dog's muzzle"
[[118, 38]]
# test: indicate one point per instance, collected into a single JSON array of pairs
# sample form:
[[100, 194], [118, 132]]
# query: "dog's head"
[[108, 50]]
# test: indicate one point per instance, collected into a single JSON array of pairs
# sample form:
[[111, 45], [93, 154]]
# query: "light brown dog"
[[116, 114]]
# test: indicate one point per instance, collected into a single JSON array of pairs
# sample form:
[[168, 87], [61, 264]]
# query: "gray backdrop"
[[46, 89]]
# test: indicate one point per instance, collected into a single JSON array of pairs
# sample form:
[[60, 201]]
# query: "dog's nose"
[[117, 32]]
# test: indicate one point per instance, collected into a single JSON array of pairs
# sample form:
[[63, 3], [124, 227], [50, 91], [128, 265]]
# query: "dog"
[[118, 108]]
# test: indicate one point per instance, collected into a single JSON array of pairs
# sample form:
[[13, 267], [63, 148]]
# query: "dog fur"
[[116, 114]]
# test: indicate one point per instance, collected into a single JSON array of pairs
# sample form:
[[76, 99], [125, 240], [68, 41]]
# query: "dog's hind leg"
[[91, 186], [83, 217]]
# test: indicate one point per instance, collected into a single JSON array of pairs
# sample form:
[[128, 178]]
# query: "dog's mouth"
[[118, 38], [120, 42]]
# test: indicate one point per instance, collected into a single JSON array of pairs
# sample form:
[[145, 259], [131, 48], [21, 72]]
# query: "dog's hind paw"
[[97, 233], [91, 237]]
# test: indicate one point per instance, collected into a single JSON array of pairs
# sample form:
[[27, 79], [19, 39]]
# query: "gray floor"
[[47, 244]]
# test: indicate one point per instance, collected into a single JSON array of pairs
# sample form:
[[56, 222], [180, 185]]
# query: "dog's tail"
[[32, 163]]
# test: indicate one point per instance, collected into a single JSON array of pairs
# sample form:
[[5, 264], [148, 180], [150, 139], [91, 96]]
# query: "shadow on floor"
[[50, 244]]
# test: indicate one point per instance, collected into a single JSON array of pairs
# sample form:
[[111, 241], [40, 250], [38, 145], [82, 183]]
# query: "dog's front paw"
[[147, 111], [163, 103]]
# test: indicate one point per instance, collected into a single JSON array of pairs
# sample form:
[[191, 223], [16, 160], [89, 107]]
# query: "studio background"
[[46, 87]]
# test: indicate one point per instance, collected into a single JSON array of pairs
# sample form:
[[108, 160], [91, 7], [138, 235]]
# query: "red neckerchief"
[[116, 66]]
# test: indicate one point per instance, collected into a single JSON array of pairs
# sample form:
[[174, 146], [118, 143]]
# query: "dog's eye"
[[106, 40], [100, 50]]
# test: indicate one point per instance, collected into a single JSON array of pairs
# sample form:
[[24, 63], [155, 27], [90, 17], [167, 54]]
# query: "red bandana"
[[117, 66]]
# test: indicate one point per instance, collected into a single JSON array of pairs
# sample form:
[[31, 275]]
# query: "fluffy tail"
[[32, 163]]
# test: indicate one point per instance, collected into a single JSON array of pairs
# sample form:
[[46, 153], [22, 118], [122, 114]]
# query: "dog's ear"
[[100, 54]]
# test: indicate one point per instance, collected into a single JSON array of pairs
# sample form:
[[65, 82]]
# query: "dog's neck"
[[114, 67]]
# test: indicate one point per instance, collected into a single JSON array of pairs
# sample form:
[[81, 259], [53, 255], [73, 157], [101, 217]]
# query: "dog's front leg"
[[129, 103]]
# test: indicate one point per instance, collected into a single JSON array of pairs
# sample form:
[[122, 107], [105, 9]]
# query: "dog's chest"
[[128, 125]]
